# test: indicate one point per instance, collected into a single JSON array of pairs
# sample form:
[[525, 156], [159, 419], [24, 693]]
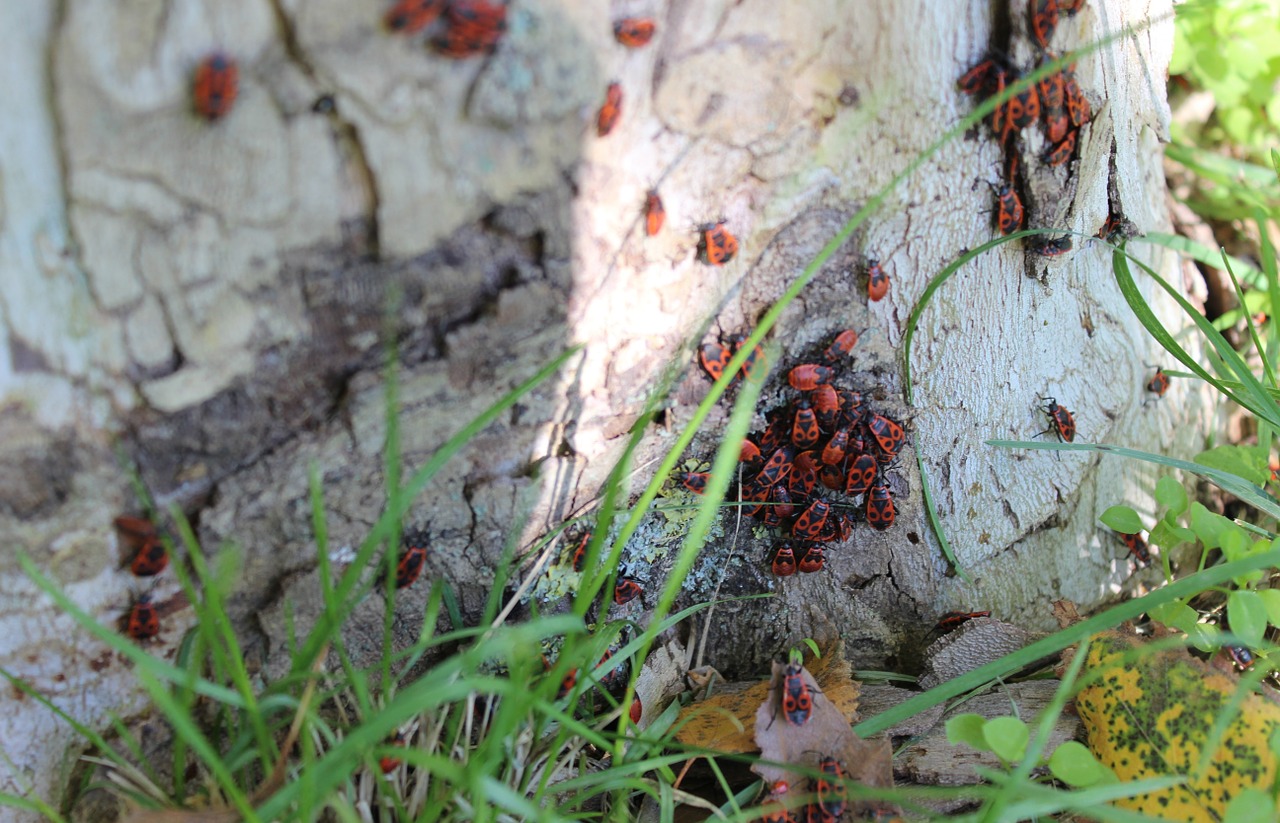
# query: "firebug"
[[1021, 110], [807, 377], [978, 78], [655, 214], [611, 111], [695, 482], [832, 476], [217, 81], [1159, 384], [880, 511], [782, 503], [1062, 420], [812, 560], [637, 711], [862, 474], [140, 534], [810, 522], [1138, 548], [888, 435], [804, 431], [714, 357], [716, 245], [750, 454], [1046, 246], [833, 453], [754, 361], [877, 281], [1044, 19], [1077, 104], [387, 763], [757, 492], [826, 404], [566, 685], [851, 412], [143, 621], [626, 591], [634, 32], [797, 702], [474, 27], [831, 793], [412, 16], [151, 559], [410, 564], [841, 347], [804, 475], [580, 553], [953, 620], [784, 561], [777, 466], [775, 433], [1064, 151], [1009, 210]]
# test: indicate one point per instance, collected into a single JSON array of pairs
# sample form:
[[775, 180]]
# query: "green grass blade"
[[936, 522], [1055, 643], [1241, 488], [340, 606], [1208, 255], [913, 320], [122, 646], [1254, 395]]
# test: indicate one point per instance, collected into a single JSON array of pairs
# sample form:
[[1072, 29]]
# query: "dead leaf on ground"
[[1150, 712], [726, 720], [827, 733]]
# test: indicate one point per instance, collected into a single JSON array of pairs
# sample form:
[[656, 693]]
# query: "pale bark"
[[214, 296]]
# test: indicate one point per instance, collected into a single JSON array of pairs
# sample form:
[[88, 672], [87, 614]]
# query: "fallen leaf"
[[1149, 713], [726, 719], [827, 733]]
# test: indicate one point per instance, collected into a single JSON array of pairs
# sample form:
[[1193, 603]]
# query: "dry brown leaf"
[[726, 719], [827, 733], [1066, 613]]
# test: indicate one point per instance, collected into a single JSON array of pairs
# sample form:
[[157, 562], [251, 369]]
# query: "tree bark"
[[213, 298]]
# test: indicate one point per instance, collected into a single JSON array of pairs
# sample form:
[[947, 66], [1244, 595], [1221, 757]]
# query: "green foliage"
[[1231, 48], [1007, 739]]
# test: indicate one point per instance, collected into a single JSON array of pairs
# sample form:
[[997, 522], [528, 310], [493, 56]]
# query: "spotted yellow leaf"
[[1150, 714]]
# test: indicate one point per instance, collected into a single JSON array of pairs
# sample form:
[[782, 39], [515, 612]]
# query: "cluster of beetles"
[[1056, 97], [822, 448]]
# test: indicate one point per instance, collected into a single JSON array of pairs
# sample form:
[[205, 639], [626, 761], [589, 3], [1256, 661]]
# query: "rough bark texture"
[[211, 297]]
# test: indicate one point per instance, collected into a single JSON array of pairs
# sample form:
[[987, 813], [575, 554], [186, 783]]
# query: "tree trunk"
[[212, 297]]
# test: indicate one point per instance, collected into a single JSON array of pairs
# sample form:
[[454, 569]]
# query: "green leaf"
[[1172, 495], [1176, 615], [1271, 602], [1075, 765], [1007, 737], [1122, 519], [1168, 535], [1208, 526], [1247, 616], [1233, 543], [1251, 806], [1204, 636], [967, 728], [1238, 460], [1210, 62]]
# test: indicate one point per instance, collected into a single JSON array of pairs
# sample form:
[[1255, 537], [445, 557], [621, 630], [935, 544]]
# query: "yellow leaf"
[[1150, 713]]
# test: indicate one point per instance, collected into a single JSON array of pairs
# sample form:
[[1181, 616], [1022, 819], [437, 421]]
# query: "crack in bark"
[[345, 131]]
